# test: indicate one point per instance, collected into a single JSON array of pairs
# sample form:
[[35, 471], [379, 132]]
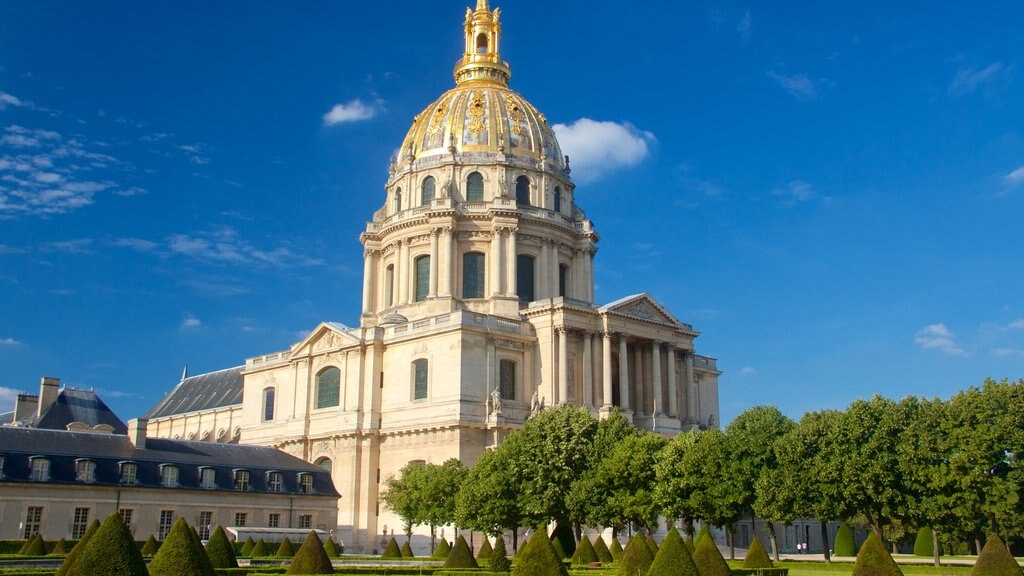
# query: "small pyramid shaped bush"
[[673, 558], [566, 538], [709, 559], [636, 558], [616, 550], [557, 545], [285, 549], [72, 557], [407, 550], [844, 544], [150, 547], [485, 549], [703, 533], [181, 554], [391, 550], [538, 558], [442, 550], [110, 551], [499, 557], [995, 560], [331, 548], [220, 550], [604, 555], [311, 557], [652, 545], [60, 548], [247, 547], [460, 556], [690, 545], [757, 556], [34, 547], [923, 543], [874, 560], [260, 550], [585, 553]]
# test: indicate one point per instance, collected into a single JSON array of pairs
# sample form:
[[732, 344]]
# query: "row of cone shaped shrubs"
[[108, 549], [36, 546]]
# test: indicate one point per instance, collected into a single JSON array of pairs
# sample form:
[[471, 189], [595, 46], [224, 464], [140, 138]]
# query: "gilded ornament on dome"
[[476, 112], [437, 119]]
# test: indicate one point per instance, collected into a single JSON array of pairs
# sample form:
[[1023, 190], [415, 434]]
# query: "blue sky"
[[830, 192]]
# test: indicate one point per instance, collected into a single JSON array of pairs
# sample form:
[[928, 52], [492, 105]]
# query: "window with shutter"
[[473, 275], [422, 277], [474, 187], [522, 191], [524, 277], [427, 191], [507, 379], [419, 379]]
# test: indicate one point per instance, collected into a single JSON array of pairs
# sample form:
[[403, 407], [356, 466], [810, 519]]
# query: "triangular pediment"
[[326, 336], [643, 307]]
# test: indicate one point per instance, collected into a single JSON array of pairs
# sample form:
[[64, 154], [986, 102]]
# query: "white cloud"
[[597, 147], [7, 398], [1009, 352], [135, 244], [9, 342], [190, 322], [796, 192], [970, 78], [225, 246], [5, 249], [939, 337], [79, 246], [747, 371], [1015, 177], [9, 100], [799, 86], [1016, 324], [743, 26], [353, 111]]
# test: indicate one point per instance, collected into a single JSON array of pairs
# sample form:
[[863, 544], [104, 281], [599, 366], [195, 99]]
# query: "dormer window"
[[242, 480], [305, 483], [275, 482], [1, 467], [85, 470], [207, 478], [40, 469], [169, 475], [129, 473]]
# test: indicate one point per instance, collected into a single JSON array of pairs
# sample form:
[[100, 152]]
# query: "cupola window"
[[422, 278], [481, 43], [558, 199], [523, 191], [563, 272], [389, 286], [524, 277], [474, 187], [419, 379], [473, 272], [398, 199], [427, 191], [507, 379]]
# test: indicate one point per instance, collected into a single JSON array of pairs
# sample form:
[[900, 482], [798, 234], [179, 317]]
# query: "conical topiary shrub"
[[311, 558], [604, 555], [285, 549], [538, 558], [391, 550], [407, 550], [34, 547], [636, 558], [585, 554], [485, 549], [247, 547], [24, 546], [331, 548], [59, 548], [616, 550], [673, 558], [703, 533], [995, 560], [689, 545], [874, 560], [652, 545], [556, 544], [460, 556], [757, 556], [923, 543], [499, 557], [709, 559], [442, 550], [220, 550], [181, 554], [566, 538], [71, 558], [844, 544], [150, 547], [110, 551], [260, 550]]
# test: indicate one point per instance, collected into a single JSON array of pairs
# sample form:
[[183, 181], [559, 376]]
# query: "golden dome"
[[481, 116]]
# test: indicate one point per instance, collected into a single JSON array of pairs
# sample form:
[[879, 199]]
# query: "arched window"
[[563, 273], [558, 199], [523, 191], [481, 43], [268, 404], [507, 379], [328, 383], [524, 277], [389, 285], [398, 199], [419, 379], [422, 278], [473, 272], [325, 463], [474, 187], [427, 191]]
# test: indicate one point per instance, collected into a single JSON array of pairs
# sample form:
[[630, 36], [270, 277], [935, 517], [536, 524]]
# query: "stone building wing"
[[201, 392]]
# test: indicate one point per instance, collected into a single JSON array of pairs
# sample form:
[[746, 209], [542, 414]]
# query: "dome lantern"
[[481, 61]]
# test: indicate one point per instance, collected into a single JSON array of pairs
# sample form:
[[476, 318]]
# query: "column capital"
[[606, 334], [562, 329], [622, 335], [657, 343]]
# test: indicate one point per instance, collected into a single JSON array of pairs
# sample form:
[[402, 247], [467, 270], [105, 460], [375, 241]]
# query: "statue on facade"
[[495, 402], [535, 405]]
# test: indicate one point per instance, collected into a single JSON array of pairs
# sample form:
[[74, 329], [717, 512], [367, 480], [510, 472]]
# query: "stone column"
[[641, 384], [510, 264], [659, 401], [542, 287], [553, 276], [434, 264], [588, 369], [494, 267], [691, 387], [447, 268], [623, 373], [606, 371], [590, 273], [673, 397], [563, 364], [368, 271], [403, 274]]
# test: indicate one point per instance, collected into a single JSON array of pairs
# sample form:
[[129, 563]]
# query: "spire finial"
[[480, 62], [482, 5]]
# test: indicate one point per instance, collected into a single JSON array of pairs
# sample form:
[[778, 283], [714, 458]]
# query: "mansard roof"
[[84, 406], [201, 392], [19, 445]]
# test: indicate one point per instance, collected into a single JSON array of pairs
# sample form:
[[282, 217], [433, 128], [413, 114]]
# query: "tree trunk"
[[433, 535], [824, 542], [936, 551], [515, 541], [977, 546], [729, 538], [774, 540]]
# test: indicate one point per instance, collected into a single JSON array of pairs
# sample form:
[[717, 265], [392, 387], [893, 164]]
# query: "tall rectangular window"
[[328, 387], [208, 478], [1, 467], [241, 480], [524, 277], [305, 484], [85, 471], [422, 278], [129, 473], [419, 379], [166, 521], [563, 271], [79, 523], [33, 518], [273, 520], [268, 404], [203, 526], [507, 379], [473, 275], [40, 470], [389, 285], [474, 187], [169, 476], [275, 482], [305, 520], [240, 518], [127, 514]]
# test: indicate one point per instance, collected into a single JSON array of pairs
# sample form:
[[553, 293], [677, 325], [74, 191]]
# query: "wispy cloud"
[[77, 246], [798, 86], [937, 336], [743, 26], [7, 99], [598, 147], [1015, 177], [190, 322], [353, 111], [9, 342], [8, 397], [5, 249], [747, 371], [221, 246], [1008, 352], [797, 192], [969, 78]]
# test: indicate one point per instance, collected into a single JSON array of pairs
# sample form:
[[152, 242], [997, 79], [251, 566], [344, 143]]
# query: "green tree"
[[311, 558], [488, 500], [845, 545], [923, 542], [405, 493], [181, 554], [220, 550]]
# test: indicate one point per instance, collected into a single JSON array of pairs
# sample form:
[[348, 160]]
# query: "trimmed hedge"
[[636, 558], [442, 550], [616, 550], [556, 544], [391, 550], [35, 546], [181, 554], [757, 556], [151, 546], [247, 547], [499, 557], [604, 555], [709, 559], [538, 558], [703, 533], [673, 558], [923, 543], [652, 545], [407, 550], [331, 548], [220, 550], [110, 551], [260, 550], [72, 557], [690, 545], [59, 548], [874, 560], [585, 553], [460, 556], [312, 558], [566, 538], [995, 560], [844, 544], [285, 549], [762, 571], [485, 549]]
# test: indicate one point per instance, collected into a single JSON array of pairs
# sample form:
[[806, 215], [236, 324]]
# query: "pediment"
[[643, 307], [326, 336]]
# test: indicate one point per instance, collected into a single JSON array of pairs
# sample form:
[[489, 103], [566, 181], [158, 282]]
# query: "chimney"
[[25, 406], [48, 389], [137, 431]]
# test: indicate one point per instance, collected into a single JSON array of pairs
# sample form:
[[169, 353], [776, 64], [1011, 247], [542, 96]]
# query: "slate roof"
[[201, 392], [73, 405], [108, 451]]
